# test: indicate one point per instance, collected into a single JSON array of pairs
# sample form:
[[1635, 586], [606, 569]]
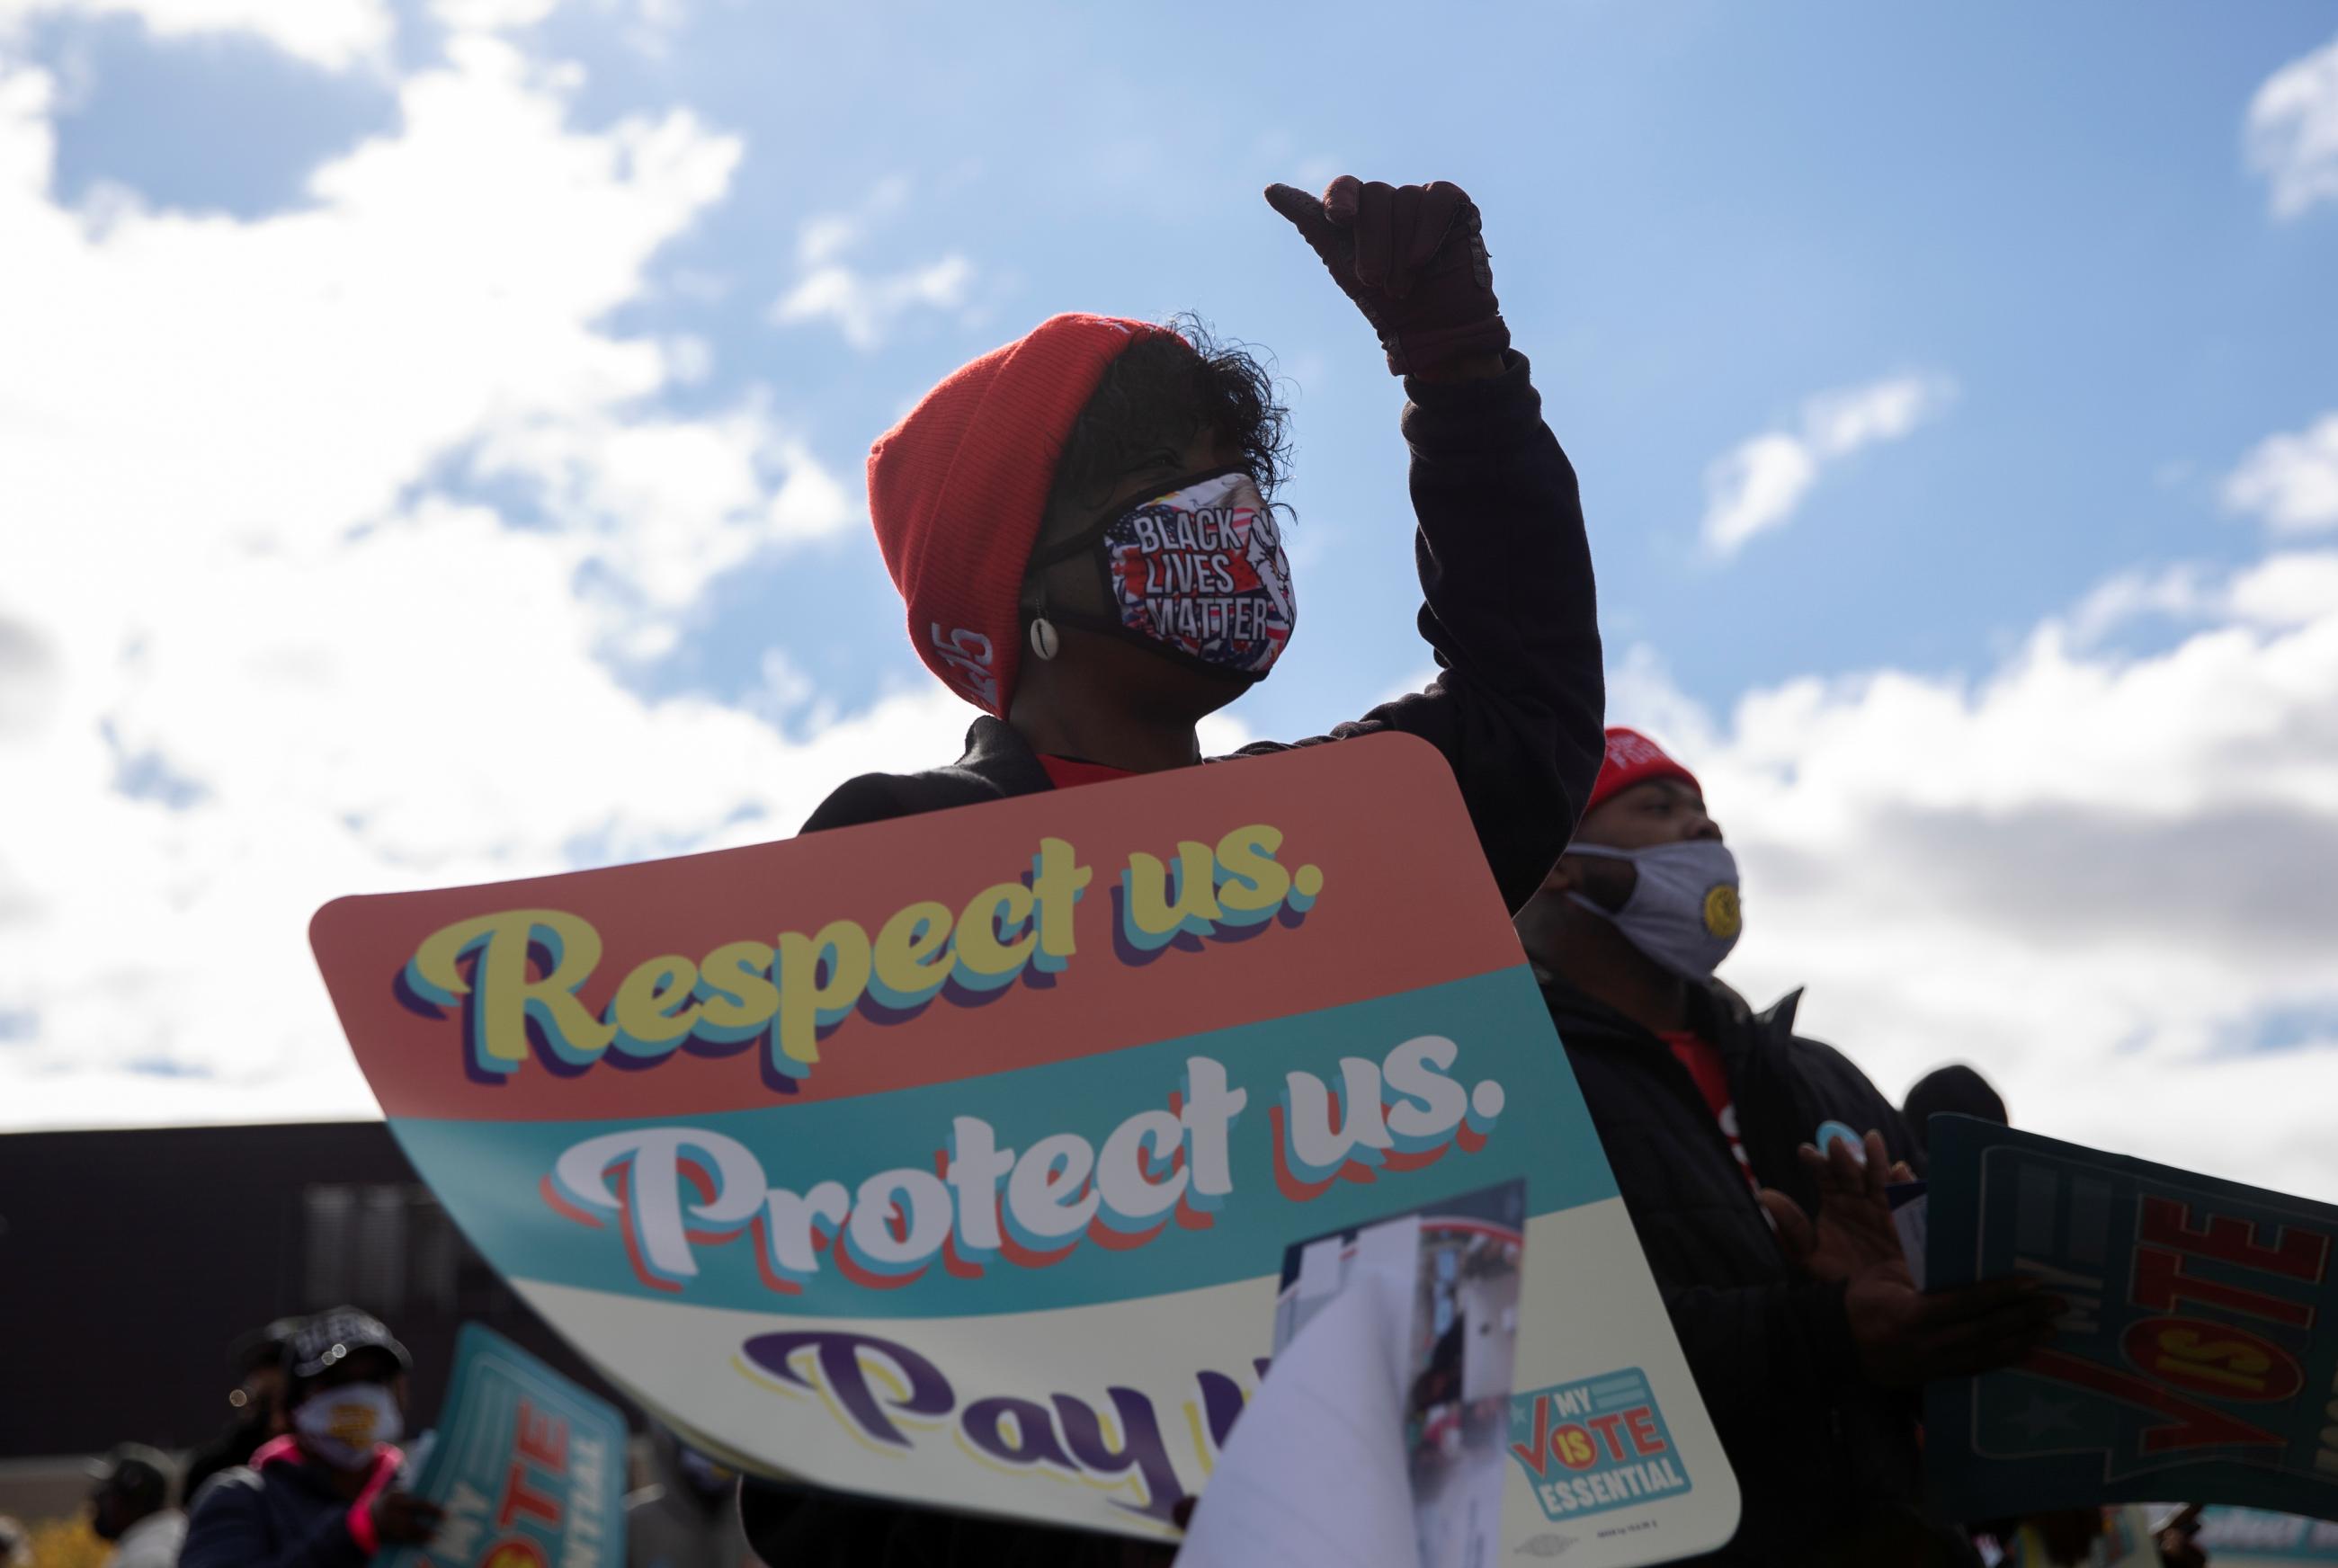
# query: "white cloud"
[[826, 236], [672, 504], [2291, 481], [2282, 591], [332, 33], [2177, 593], [254, 654], [862, 306], [352, 717], [2096, 878], [492, 16], [651, 23], [2293, 132], [286, 378], [1221, 734], [1757, 485]]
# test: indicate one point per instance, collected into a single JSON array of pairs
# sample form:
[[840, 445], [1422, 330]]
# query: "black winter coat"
[[284, 1514], [1828, 1467], [1517, 710]]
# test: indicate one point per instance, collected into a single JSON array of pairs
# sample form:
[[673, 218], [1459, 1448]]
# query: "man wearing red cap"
[[1804, 1332], [1080, 526]]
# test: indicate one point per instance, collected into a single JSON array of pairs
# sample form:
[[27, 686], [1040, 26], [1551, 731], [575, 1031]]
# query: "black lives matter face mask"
[[1197, 574]]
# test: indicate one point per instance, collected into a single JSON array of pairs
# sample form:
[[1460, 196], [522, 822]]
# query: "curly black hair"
[[1155, 396]]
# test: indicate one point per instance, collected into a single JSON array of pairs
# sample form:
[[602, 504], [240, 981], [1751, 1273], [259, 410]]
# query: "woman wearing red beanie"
[[1079, 524]]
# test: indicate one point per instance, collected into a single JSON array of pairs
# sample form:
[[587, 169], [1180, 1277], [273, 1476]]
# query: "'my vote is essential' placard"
[[954, 1159]]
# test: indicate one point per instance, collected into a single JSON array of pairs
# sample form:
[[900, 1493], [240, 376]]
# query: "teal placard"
[[530, 1468], [2196, 1361]]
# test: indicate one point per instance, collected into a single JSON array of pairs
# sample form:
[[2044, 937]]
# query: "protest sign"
[[529, 1467], [2195, 1360], [954, 1159]]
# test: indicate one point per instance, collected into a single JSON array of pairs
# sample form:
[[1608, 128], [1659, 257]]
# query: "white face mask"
[[1683, 911], [345, 1427]]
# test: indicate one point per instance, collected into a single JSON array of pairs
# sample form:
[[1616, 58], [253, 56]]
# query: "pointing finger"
[[1304, 213], [1293, 202], [1331, 245]]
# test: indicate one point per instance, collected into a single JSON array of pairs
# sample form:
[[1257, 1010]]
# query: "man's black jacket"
[[1820, 1459], [1517, 710]]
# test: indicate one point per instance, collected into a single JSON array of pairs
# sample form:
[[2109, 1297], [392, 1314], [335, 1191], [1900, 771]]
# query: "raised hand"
[[1413, 258], [1853, 1229], [1906, 1337], [402, 1519]]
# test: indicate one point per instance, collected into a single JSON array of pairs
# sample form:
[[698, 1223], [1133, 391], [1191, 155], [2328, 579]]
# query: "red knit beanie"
[[957, 491], [1633, 759]]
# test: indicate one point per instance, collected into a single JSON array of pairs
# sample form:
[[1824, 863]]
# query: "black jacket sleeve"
[[230, 1530], [1863, 1104], [1511, 616], [1744, 1343], [870, 797]]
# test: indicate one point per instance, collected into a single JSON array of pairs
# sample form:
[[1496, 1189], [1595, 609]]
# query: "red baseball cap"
[[1633, 759], [957, 491]]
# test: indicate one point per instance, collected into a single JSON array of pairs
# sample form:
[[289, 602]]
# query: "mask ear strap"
[[1602, 852], [1065, 549]]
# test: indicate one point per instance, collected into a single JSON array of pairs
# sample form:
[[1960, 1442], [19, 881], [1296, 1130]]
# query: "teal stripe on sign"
[[488, 1173]]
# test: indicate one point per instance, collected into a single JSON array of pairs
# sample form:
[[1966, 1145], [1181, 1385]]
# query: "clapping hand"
[[1904, 1337]]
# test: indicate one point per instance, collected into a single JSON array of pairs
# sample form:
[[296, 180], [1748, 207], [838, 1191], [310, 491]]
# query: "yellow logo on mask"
[[1720, 915], [354, 1424]]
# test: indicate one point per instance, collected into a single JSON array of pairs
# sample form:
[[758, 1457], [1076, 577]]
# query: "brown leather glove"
[[1413, 259]]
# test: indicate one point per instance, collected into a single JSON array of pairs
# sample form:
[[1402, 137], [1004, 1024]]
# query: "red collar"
[[1071, 772], [286, 1449]]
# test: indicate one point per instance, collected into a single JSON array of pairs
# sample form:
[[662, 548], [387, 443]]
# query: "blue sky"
[[1700, 214], [2003, 332]]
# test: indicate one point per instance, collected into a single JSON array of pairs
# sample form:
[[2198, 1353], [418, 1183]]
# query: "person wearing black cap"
[[130, 1506], [1956, 1090], [325, 1496], [257, 1403]]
